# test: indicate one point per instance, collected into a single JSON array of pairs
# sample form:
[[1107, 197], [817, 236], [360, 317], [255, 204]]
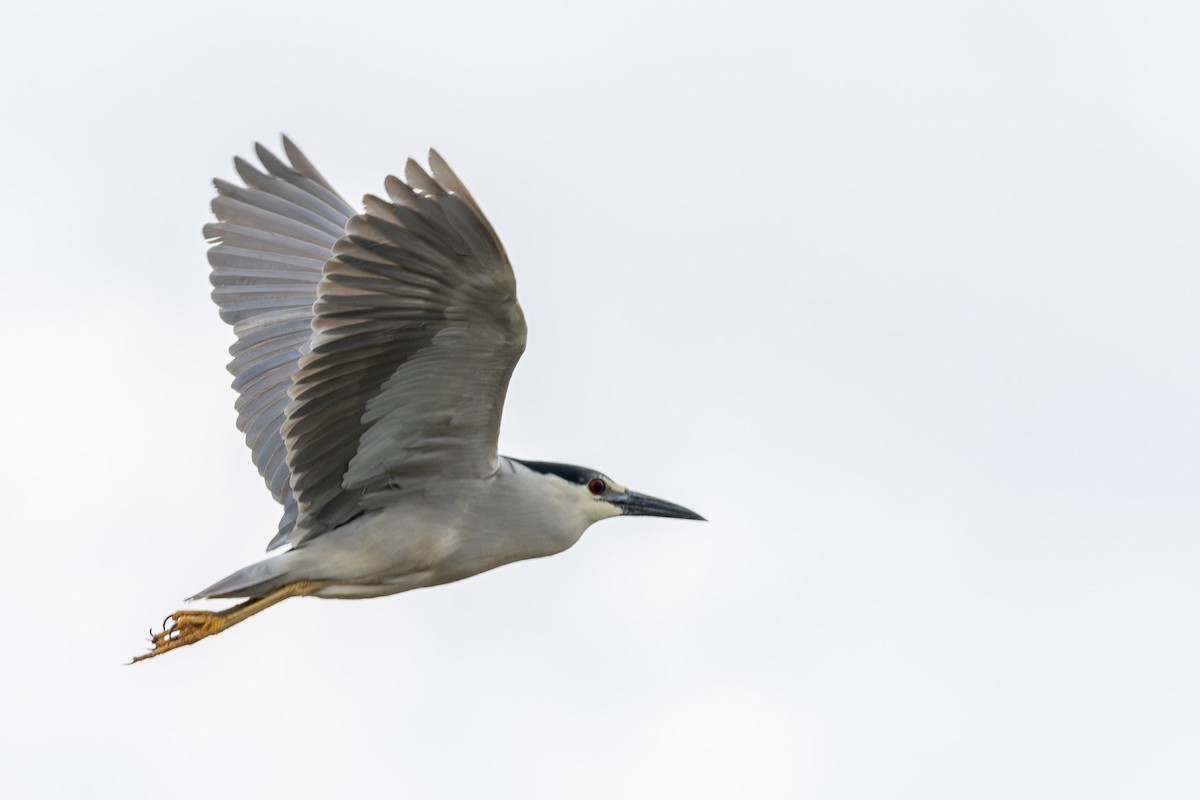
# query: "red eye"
[[596, 486]]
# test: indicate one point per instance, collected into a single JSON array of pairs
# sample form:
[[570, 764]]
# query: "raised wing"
[[416, 331], [271, 241]]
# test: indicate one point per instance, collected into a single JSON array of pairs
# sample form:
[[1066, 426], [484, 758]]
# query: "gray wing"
[[271, 242], [416, 331]]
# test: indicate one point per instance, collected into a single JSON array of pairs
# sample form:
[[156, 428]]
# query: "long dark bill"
[[642, 505]]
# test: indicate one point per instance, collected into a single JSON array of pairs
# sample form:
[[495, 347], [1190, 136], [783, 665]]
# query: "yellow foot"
[[188, 627], [184, 628]]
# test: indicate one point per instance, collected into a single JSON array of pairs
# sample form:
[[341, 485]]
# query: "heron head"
[[606, 497]]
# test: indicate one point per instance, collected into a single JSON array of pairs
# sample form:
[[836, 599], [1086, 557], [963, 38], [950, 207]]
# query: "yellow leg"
[[188, 627]]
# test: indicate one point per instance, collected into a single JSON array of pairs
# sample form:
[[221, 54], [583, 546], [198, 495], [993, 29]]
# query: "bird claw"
[[183, 628], [188, 627]]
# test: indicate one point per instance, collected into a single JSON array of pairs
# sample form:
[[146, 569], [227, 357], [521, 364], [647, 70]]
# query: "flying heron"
[[372, 358]]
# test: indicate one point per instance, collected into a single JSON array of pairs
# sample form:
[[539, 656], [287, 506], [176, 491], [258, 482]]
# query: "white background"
[[903, 297]]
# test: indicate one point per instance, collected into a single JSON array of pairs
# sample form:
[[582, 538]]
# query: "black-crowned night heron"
[[373, 354]]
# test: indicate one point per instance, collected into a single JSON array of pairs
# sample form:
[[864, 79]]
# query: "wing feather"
[[270, 243], [416, 331]]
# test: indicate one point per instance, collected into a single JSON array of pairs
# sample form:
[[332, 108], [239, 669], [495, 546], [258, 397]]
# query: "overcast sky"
[[901, 296]]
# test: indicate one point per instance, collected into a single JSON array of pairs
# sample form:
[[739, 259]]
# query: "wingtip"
[[295, 156], [416, 177], [438, 167]]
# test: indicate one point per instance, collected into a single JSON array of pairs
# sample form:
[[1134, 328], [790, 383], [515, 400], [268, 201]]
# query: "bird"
[[372, 357]]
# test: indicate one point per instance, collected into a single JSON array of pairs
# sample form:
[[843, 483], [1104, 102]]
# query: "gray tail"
[[256, 580]]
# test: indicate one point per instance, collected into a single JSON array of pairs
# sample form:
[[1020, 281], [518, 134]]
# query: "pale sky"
[[902, 297]]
